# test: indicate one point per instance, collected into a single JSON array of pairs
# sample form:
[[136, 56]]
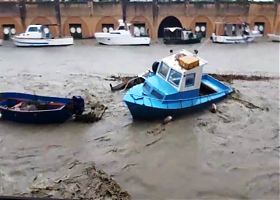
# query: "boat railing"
[[168, 102]]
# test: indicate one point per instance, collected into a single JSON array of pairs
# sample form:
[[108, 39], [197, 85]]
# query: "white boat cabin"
[[183, 72], [36, 31]]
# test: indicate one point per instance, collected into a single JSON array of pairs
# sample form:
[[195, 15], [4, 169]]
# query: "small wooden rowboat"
[[28, 108]]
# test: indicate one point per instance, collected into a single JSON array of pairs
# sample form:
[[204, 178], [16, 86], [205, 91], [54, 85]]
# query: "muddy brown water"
[[232, 154]]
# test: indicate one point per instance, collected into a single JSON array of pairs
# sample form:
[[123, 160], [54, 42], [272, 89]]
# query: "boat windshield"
[[33, 29], [174, 77], [121, 28], [163, 70]]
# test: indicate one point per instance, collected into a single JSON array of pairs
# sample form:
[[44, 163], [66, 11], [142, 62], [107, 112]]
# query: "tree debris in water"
[[127, 82], [153, 142], [92, 114], [84, 181], [157, 130], [235, 96], [230, 77]]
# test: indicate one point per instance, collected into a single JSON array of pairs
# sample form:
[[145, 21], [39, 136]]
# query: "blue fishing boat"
[[28, 108], [175, 86]]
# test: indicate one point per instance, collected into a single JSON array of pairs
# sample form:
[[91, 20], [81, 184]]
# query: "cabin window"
[[174, 77], [163, 70], [121, 28], [190, 80], [33, 29]]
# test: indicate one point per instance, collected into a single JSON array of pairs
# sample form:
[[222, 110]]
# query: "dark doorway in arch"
[[169, 21], [76, 31], [201, 28], [8, 31], [259, 26], [107, 27]]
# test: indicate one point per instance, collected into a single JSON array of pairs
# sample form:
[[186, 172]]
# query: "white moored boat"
[[234, 33], [38, 36], [274, 37], [122, 36]]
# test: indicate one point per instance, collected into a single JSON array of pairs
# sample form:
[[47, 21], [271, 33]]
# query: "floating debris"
[[127, 82], [84, 181], [92, 114], [153, 142], [230, 77]]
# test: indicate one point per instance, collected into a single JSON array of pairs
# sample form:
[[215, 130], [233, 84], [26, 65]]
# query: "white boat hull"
[[274, 37], [232, 39], [107, 39], [30, 42]]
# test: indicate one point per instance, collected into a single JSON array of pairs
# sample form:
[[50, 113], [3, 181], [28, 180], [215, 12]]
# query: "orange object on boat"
[[188, 62]]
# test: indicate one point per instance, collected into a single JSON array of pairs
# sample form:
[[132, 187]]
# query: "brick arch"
[[164, 19], [75, 20], [264, 19], [106, 20], [233, 19], [142, 19], [277, 28], [46, 21], [9, 20], [201, 18]]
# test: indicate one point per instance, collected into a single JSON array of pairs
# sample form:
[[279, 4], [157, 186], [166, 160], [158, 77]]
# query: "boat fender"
[[213, 108], [78, 105], [155, 66], [167, 119]]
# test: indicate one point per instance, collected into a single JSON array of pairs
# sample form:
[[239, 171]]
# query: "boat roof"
[[35, 25], [173, 28], [172, 62]]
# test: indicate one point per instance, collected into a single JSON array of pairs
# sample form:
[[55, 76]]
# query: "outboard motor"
[[78, 105], [155, 66]]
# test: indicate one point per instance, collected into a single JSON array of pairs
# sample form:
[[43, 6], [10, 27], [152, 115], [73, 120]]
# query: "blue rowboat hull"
[[145, 107], [59, 115], [36, 117]]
